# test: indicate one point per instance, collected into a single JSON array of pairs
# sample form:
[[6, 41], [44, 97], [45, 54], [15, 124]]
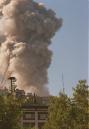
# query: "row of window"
[[31, 115]]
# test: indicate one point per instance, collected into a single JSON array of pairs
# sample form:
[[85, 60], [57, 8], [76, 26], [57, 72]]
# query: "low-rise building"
[[35, 109], [34, 115]]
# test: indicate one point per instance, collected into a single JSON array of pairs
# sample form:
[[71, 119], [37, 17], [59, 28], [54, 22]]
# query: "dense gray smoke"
[[26, 29]]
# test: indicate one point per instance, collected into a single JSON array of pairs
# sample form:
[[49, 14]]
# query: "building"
[[19, 93], [34, 111], [34, 115]]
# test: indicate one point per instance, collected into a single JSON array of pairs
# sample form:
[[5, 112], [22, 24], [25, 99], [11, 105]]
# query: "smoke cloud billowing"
[[26, 29]]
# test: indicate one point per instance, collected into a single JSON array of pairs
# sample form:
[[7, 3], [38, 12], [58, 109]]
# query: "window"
[[42, 115], [29, 115], [31, 125]]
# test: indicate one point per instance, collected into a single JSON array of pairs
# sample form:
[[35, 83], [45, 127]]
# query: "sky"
[[69, 46]]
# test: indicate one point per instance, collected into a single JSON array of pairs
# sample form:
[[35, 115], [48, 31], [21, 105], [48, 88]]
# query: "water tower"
[[12, 86]]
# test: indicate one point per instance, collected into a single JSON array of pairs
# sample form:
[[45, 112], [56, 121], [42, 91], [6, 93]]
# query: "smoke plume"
[[26, 29]]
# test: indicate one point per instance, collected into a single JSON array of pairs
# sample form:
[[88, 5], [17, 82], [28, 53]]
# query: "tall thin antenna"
[[63, 83]]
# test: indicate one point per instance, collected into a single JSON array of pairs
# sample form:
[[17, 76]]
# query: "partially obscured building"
[[35, 109], [19, 93], [34, 115]]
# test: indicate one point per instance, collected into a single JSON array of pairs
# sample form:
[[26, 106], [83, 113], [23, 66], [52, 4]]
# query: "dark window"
[[30, 125], [42, 115], [29, 115]]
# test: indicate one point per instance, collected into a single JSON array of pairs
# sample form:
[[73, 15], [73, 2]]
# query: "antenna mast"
[[63, 83]]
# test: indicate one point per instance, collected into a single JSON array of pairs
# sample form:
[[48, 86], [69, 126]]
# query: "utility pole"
[[63, 83]]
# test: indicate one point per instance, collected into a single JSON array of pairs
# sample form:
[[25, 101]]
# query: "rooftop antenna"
[[63, 83]]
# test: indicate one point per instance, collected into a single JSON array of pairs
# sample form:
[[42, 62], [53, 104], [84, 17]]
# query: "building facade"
[[34, 115]]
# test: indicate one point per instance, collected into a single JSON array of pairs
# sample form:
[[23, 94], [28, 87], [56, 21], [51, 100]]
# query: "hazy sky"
[[70, 45]]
